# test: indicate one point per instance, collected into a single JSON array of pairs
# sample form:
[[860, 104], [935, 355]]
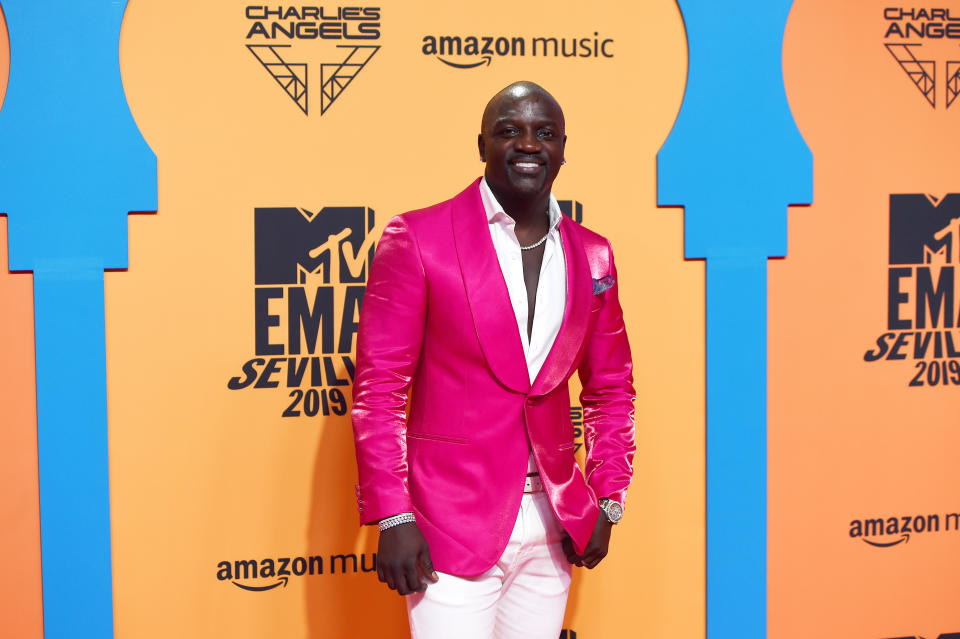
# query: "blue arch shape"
[[72, 165], [734, 160]]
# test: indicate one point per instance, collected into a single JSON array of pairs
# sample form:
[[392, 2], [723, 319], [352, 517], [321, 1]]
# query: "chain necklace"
[[538, 243]]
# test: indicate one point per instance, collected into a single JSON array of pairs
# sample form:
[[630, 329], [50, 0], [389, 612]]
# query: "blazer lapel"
[[493, 316], [576, 315]]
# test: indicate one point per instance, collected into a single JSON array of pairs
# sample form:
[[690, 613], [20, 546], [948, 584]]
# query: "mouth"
[[526, 167]]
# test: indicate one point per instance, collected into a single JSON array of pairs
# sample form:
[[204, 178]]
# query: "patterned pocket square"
[[605, 282]]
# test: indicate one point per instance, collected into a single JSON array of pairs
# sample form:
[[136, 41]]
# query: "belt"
[[533, 484]]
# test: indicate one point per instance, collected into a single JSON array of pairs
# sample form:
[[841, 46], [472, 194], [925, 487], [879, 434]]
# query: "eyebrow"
[[507, 119]]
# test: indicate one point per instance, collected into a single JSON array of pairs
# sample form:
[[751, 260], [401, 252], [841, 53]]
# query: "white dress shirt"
[[551, 289]]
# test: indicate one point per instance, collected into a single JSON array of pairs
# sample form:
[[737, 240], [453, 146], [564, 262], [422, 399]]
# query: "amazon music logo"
[[290, 40], [260, 575], [886, 532], [472, 51], [920, 40], [923, 289], [310, 273]]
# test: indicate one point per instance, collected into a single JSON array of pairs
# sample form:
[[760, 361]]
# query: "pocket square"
[[602, 284]]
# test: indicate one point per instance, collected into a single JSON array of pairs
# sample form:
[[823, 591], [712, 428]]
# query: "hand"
[[403, 559], [596, 548]]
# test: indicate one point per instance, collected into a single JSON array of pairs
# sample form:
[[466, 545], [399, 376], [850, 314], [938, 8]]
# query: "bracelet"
[[396, 520]]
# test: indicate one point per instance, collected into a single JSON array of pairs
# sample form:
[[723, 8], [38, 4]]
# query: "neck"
[[527, 212]]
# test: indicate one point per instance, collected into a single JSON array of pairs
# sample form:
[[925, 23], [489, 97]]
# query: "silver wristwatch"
[[612, 509]]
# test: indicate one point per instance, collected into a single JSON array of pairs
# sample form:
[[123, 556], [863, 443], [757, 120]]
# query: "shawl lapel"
[[576, 315], [487, 295]]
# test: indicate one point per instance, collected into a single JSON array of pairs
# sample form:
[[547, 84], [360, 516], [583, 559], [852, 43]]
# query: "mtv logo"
[[294, 246], [572, 209], [924, 230]]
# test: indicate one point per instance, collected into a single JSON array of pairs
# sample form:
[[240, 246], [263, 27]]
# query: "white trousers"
[[522, 596]]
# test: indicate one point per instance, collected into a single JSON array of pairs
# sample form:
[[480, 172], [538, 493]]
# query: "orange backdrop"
[[851, 440], [202, 474], [21, 607]]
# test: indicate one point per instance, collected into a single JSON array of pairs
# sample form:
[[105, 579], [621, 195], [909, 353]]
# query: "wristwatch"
[[612, 509]]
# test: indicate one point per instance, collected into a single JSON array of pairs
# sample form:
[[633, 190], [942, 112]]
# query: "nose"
[[528, 142]]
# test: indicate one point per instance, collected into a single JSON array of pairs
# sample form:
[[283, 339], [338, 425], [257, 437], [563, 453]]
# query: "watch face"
[[614, 510]]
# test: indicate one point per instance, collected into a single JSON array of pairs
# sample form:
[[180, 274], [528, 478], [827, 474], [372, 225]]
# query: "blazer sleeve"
[[390, 336], [606, 373]]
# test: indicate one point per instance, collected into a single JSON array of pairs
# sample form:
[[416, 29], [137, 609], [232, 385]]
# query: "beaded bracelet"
[[396, 520]]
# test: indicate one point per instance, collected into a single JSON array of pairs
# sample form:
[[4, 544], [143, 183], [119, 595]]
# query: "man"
[[485, 305]]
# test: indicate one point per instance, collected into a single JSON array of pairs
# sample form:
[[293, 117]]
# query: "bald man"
[[485, 305]]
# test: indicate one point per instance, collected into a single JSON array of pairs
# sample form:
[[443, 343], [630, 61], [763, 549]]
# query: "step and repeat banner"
[[288, 135], [864, 351]]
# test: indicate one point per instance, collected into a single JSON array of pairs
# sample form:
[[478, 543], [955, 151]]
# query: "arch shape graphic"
[[72, 166], [735, 160]]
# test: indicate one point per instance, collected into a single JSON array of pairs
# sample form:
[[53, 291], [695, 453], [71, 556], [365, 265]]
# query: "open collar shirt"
[[551, 289]]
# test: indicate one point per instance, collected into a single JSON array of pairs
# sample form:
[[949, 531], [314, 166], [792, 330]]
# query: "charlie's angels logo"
[[347, 34], [310, 277], [922, 39], [922, 288]]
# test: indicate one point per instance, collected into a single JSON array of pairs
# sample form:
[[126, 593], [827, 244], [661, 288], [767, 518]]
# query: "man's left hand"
[[596, 548]]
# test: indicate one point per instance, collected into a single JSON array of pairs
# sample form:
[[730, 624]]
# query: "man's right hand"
[[403, 559]]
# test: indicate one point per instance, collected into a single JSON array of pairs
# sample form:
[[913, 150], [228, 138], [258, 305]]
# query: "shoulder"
[[432, 217], [591, 240]]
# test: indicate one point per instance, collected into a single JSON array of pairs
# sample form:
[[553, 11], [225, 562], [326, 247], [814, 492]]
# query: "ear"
[[563, 148], [481, 147]]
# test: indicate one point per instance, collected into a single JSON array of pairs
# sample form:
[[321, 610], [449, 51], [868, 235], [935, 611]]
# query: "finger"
[[426, 567], [595, 559], [409, 580], [589, 557], [389, 574]]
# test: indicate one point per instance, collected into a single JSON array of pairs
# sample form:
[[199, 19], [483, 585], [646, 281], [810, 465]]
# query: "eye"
[[545, 134]]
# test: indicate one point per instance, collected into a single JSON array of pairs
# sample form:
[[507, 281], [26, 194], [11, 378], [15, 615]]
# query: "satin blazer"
[[437, 328]]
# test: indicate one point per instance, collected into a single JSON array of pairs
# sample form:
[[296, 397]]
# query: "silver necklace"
[[542, 239], [539, 242]]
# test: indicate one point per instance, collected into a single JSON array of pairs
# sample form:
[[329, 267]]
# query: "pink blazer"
[[437, 317]]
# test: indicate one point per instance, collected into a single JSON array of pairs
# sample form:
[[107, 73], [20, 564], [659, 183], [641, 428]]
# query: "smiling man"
[[485, 305]]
